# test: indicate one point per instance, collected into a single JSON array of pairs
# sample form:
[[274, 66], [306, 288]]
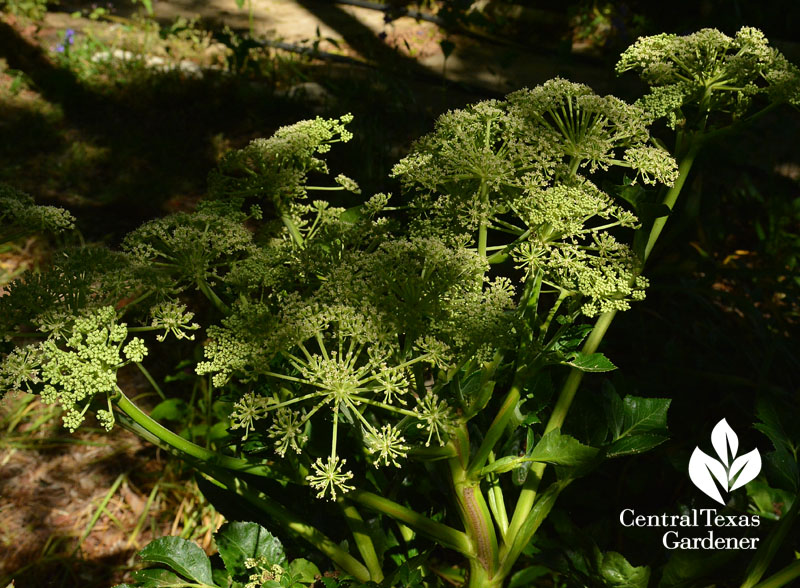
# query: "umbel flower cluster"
[[719, 73], [374, 320], [74, 367], [357, 324]]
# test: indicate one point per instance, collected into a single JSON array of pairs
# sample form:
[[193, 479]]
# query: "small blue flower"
[[69, 37]]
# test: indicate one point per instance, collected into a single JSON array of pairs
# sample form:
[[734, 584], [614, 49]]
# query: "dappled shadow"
[[133, 146]]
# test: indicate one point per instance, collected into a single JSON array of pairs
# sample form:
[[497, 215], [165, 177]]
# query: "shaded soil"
[[54, 529]]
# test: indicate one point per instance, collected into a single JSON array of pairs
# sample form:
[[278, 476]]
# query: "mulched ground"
[[52, 485]]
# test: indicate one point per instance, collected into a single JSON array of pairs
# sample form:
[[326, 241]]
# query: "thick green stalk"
[[477, 522], [672, 195], [510, 551], [363, 540], [185, 446], [575, 376], [528, 494], [496, 429], [442, 534], [480, 577]]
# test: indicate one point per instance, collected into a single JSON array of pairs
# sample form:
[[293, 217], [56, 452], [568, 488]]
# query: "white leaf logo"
[[730, 472]]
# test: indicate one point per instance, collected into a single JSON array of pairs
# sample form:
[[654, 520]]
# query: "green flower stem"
[[150, 379], [782, 578], [432, 453], [185, 446], [293, 230], [562, 295], [142, 329], [203, 286], [497, 428], [497, 502], [528, 494], [503, 254], [483, 230], [766, 552], [380, 404], [672, 194], [291, 522], [363, 540], [443, 534], [509, 552]]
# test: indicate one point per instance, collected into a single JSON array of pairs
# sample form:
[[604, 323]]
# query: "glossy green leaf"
[[635, 444], [552, 448], [352, 215], [183, 556], [562, 450], [221, 576], [618, 573], [643, 415], [770, 503], [304, 571], [157, 578], [592, 362], [240, 541], [571, 337]]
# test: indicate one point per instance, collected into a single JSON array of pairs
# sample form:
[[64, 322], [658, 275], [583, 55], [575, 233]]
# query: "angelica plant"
[[358, 348]]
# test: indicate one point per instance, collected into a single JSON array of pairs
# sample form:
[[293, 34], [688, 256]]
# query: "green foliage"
[[33, 9], [251, 558]]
